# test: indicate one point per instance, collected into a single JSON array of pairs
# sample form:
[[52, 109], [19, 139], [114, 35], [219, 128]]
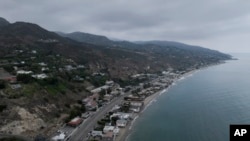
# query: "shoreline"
[[126, 132]]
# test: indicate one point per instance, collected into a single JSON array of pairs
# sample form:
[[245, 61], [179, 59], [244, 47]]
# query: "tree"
[[113, 120], [51, 80], [8, 68], [35, 68], [2, 107], [102, 92], [2, 84], [109, 90], [25, 78]]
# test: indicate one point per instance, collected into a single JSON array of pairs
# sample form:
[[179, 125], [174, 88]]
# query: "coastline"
[[126, 132]]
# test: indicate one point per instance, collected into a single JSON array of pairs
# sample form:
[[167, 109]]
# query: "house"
[[11, 79], [134, 98], [69, 68], [121, 115], [115, 93], [89, 88], [34, 51], [24, 72], [96, 133], [59, 137], [96, 74], [78, 78], [15, 86], [135, 109], [42, 64], [136, 104], [75, 122], [91, 105], [115, 108], [90, 102], [99, 89], [109, 83], [85, 115], [92, 97], [107, 97], [44, 69], [108, 128], [80, 66], [40, 76], [116, 131], [121, 123]]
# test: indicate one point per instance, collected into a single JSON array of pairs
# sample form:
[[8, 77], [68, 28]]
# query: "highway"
[[82, 132]]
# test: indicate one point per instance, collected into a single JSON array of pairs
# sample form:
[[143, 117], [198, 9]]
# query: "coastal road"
[[82, 132]]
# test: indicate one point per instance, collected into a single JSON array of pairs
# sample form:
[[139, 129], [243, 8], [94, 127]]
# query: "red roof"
[[75, 122]]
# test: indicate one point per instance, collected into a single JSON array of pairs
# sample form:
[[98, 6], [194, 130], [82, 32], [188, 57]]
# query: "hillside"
[[87, 38], [45, 75], [3, 22], [173, 54]]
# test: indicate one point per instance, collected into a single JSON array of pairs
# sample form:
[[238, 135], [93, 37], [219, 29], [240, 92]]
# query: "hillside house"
[[90, 102], [24, 72], [40, 76], [75, 122], [99, 89]]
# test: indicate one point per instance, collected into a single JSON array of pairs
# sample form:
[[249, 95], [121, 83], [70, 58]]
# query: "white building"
[[121, 123], [107, 129], [99, 89], [24, 72], [96, 133], [59, 137], [40, 76]]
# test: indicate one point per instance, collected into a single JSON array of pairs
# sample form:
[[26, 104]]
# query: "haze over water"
[[200, 107]]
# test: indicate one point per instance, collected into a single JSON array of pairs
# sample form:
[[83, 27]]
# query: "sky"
[[222, 25]]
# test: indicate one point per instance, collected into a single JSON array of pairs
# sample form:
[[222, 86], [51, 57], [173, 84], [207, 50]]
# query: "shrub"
[[25, 78], [2, 107], [2, 84]]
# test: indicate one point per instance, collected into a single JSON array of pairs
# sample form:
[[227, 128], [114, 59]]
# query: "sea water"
[[200, 107]]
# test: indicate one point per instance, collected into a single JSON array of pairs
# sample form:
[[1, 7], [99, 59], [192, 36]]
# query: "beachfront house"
[[24, 72], [121, 115], [108, 128], [136, 106], [121, 123]]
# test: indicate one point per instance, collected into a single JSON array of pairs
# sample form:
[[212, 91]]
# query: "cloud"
[[192, 21]]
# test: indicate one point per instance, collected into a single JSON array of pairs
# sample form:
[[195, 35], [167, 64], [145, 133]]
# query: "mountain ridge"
[[98, 52], [3, 22]]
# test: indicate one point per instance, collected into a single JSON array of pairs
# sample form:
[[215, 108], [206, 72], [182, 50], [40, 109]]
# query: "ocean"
[[199, 107]]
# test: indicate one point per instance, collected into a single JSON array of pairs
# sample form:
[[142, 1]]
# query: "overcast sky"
[[217, 24]]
